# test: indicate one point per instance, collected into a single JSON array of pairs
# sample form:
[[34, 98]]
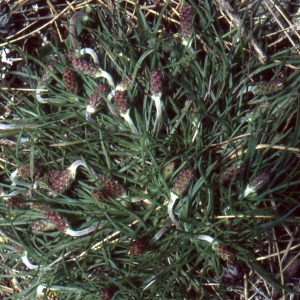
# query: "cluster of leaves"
[[204, 126]]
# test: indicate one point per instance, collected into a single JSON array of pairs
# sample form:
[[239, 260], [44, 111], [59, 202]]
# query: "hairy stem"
[[79, 15], [158, 104], [129, 121]]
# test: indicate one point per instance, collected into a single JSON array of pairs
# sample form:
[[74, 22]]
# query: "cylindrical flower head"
[[226, 175], [121, 101], [111, 187], [84, 66], [256, 113], [186, 21], [268, 87], [168, 169], [51, 176], [260, 180], [257, 183], [106, 294], [59, 221], [24, 171], [16, 203], [183, 181], [96, 99], [70, 80], [61, 183], [138, 246], [156, 82], [43, 225], [223, 252]]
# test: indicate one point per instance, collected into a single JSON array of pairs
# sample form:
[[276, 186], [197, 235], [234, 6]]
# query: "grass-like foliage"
[[186, 183]]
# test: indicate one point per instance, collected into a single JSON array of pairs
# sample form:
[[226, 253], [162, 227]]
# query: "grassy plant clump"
[[149, 151]]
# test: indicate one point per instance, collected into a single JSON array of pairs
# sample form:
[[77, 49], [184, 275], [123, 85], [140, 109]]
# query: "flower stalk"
[[60, 223], [60, 181], [95, 101], [77, 16], [257, 183], [156, 89], [186, 25], [121, 103], [15, 181], [178, 190], [265, 88], [90, 69], [221, 250], [28, 264]]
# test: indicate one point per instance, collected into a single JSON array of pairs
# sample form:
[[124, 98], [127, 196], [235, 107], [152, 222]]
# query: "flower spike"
[[106, 294], [121, 103], [70, 80], [60, 181], [95, 101], [156, 89], [139, 246], [90, 69], [186, 25], [221, 250], [257, 183], [60, 223], [265, 88], [178, 190], [45, 79]]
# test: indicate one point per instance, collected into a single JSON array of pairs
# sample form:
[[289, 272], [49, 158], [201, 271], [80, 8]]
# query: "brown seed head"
[[96, 99], [59, 181], [260, 180], [139, 246], [16, 203], [83, 65], [156, 82], [43, 225], [59, 221], [51, 176], [183, 181], [24, 171], [121, 101], [70, 80], [224, 252], [106, 294], [236, 169], [186, 21], [111, 187]]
